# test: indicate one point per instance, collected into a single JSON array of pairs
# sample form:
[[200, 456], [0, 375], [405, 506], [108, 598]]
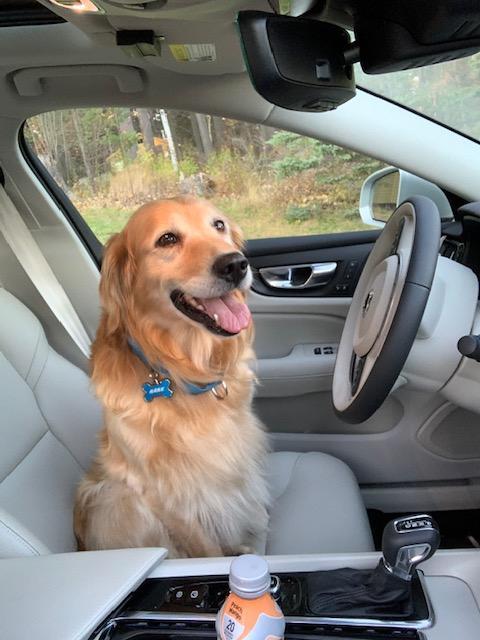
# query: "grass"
[[104, 222], [265, 205], [265, 222]]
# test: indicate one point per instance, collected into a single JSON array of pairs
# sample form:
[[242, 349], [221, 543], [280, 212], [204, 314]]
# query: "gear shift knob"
[[408, 541]]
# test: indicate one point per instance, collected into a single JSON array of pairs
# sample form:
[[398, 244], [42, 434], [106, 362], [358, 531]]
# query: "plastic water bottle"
[[250, 612]]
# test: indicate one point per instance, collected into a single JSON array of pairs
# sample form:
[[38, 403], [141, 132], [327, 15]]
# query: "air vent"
[[452, 249]]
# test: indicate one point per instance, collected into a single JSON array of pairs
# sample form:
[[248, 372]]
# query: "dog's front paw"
[[244, 548]]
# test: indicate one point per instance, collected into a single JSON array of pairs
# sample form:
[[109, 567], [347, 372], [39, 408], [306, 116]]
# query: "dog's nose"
[[231, 267]]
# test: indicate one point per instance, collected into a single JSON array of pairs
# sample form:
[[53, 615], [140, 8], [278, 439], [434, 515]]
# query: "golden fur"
[[184, 473]]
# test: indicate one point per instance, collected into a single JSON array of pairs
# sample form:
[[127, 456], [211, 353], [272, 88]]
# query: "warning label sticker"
[[194, 52]]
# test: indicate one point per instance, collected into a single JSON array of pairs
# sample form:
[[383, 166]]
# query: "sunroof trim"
[[26, 13]]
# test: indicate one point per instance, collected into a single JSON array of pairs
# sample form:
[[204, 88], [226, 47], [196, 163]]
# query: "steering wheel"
[[386, 309]]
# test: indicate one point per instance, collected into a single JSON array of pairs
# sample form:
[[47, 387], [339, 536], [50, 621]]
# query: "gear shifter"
[[386, 591], [407, 542]]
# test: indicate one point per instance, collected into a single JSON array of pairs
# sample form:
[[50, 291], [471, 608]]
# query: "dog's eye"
[[219, 225], [167, 240]]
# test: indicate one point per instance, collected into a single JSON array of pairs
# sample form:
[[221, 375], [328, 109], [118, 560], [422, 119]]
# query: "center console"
[[118, 594], [322, 597], [140, 595], [450, 607], [186, 607]]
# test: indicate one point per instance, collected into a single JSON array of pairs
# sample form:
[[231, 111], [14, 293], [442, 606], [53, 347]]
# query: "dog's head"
[[177, 264]]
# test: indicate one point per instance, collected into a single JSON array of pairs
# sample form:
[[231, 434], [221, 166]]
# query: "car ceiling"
[[86, 39], [220, 86]]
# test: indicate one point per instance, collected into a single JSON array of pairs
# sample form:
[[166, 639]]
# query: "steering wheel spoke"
[[358, 364]]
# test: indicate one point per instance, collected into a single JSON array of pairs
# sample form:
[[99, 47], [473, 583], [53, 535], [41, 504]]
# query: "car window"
[[273, 183], [446, 92]]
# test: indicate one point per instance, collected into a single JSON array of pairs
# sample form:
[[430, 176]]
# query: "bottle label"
[[231, 629], [258, 619]]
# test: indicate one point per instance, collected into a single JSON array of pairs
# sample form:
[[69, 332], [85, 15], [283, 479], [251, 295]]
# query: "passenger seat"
[[49, 420], [48, 426]]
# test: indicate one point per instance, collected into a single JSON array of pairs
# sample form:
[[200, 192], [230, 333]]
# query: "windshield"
[[448, 92]]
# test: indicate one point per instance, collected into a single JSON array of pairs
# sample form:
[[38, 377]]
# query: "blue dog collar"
[[160, 387]]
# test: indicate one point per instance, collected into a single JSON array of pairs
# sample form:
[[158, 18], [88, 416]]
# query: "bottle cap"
[[249, 576]]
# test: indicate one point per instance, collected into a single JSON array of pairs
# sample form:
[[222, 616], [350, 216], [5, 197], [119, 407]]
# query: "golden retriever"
[[181, 456]]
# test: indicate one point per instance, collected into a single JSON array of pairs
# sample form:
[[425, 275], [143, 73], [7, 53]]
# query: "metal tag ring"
[[220, 395]]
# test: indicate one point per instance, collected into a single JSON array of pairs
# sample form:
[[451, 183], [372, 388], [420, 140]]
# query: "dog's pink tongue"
[[231, 315]]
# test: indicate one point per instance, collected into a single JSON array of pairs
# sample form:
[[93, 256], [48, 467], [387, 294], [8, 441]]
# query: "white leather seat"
[[318, 507], [48, 425]]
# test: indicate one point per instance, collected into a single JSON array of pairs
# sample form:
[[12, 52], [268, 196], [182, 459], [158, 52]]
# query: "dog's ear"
[[237, 236], [118, 270]]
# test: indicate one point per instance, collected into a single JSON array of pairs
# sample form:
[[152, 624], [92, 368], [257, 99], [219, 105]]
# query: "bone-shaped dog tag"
[[159, 389]]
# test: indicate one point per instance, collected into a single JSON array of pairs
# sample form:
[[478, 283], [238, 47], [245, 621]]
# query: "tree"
[[81, 146], [201, 135], [145, 121]]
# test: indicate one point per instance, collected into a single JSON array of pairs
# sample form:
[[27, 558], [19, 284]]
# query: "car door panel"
[[348, 251], [297, 333]]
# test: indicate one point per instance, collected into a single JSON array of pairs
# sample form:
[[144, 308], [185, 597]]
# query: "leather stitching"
[[49, 427], [23, 457], [41, 374], [19, 539], [54, 435], [34, 357], [290, 475]]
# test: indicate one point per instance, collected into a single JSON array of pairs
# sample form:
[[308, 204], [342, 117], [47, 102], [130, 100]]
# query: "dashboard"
[[461, 237]]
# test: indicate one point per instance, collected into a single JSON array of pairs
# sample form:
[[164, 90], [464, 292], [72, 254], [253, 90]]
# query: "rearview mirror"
[[296, 63], [384, 190]]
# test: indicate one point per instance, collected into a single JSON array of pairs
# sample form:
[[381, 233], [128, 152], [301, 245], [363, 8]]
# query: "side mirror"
[[384, 190]]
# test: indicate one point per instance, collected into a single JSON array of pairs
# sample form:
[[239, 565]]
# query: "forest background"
[[273, 183]]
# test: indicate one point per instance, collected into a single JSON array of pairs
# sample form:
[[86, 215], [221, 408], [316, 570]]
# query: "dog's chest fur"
[[195, 463]]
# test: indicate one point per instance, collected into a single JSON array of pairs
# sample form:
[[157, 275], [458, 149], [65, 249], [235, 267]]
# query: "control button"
[[195, 595], [352, 264], [327, 350], [275, 585], [469, 346], [413, 523], [341, 288], [188, 595], [176, 595]]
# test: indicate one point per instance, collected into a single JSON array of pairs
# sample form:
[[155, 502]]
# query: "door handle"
[[299, 276]]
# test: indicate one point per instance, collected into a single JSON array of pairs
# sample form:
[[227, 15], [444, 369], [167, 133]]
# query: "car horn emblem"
[[367, 303]]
